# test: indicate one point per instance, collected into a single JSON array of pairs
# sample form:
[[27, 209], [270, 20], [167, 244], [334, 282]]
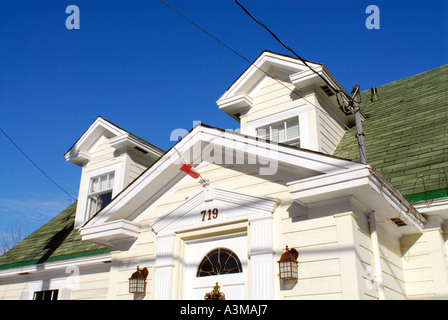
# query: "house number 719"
[[210, 213]]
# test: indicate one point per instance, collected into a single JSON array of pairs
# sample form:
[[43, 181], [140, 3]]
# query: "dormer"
[[110, 158], [279, 98]]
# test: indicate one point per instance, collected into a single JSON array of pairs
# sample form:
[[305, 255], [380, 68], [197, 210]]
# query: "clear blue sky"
[[143, 67]]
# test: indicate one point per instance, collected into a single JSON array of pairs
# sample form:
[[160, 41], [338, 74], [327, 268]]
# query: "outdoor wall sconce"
[[288, 264], [137, 282]]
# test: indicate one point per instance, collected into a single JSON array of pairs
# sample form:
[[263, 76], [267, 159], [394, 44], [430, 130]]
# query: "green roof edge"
[[57, 258], [429, 195]]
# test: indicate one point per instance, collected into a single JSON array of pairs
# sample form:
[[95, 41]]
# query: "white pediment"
[[214, 206], [80, 152], [202, 146]]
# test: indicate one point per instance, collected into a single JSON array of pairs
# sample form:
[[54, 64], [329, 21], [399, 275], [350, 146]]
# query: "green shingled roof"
[[407, 134], [56, 240]]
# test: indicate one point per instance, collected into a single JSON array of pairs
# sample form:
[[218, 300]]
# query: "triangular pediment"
[[213, 206], [203, 146], [239, 98], [81, 152]]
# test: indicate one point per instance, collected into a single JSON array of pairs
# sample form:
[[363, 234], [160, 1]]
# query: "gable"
[[213, 206], [292, 75], [81, 152], [205, 146]]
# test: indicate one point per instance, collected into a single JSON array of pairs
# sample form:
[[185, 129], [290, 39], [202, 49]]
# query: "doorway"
[[211, 260]]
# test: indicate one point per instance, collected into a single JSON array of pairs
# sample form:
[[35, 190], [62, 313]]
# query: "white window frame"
[[300, 112], [94, 194], [83, 199], [269, 132]]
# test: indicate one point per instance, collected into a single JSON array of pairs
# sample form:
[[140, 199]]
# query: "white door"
[[222, 260]]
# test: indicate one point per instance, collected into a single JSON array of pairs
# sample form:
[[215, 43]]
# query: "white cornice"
[[57, 265], [367, 186], [164, 174], [111, 232], [79, 157], [127, 140], [236, 98], [258, 206]]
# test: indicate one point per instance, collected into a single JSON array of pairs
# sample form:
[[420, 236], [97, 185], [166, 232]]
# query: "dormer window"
[[100, 192], [98, 188], [285, 131]]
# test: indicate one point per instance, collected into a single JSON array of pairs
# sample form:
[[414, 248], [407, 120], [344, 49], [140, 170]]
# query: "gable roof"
[[238, 99], [118, 137], [407, 131], [407, 134], [118, 221], [55, 240]]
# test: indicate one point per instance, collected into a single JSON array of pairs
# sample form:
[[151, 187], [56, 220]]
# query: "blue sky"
[[143, 67]]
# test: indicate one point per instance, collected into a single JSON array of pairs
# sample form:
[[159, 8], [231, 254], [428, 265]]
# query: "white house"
[[289, 178]]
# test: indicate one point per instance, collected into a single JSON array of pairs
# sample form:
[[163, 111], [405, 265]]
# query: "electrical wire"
[[42, 171], [300, 58], [247, 60]]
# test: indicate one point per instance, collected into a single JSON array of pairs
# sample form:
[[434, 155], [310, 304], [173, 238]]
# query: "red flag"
[[187, 167]]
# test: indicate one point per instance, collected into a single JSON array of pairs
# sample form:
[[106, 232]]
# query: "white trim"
[[165, 173], [107, 233], [98, 128], [82, 209], [300, 111], [367, 186], [255, 205], [56, 265], [127, 140], [433, 207]]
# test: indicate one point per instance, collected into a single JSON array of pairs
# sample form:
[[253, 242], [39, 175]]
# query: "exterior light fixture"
[[215, 294], [288, 264], [137, 282]]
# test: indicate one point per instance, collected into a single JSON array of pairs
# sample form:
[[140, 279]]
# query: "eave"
[[367, 186]]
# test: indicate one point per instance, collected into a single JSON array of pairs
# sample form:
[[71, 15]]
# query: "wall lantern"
[[137, 282], [288, 264]]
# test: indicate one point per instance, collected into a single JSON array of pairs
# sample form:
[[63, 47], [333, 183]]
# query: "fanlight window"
[[219, 261]]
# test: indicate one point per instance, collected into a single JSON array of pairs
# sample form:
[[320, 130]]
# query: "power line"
[[337, 91], [244, 58], [23, 152]]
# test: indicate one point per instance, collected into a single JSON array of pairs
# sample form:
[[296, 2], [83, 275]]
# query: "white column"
[[261, 255], [164, 267]]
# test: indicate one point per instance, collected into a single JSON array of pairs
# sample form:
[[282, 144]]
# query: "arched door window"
[[219, 261]]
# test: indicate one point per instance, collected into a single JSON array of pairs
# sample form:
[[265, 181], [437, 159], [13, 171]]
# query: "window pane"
[[219, 261], [93, 206], [263, 133], [292, 128], [278, 131], [94, 185], [46, 295], [104, 200], [111, 180], [103, 182]]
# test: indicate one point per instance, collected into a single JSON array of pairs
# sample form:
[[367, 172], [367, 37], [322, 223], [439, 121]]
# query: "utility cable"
[[337, 91], [15, 144], [247, 60]]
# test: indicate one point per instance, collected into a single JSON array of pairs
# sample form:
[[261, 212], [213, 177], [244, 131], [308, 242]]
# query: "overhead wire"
[[39, 168], [336, 90], [244, 58]]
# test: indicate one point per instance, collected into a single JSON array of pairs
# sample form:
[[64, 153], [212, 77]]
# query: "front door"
[[222, 260]]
